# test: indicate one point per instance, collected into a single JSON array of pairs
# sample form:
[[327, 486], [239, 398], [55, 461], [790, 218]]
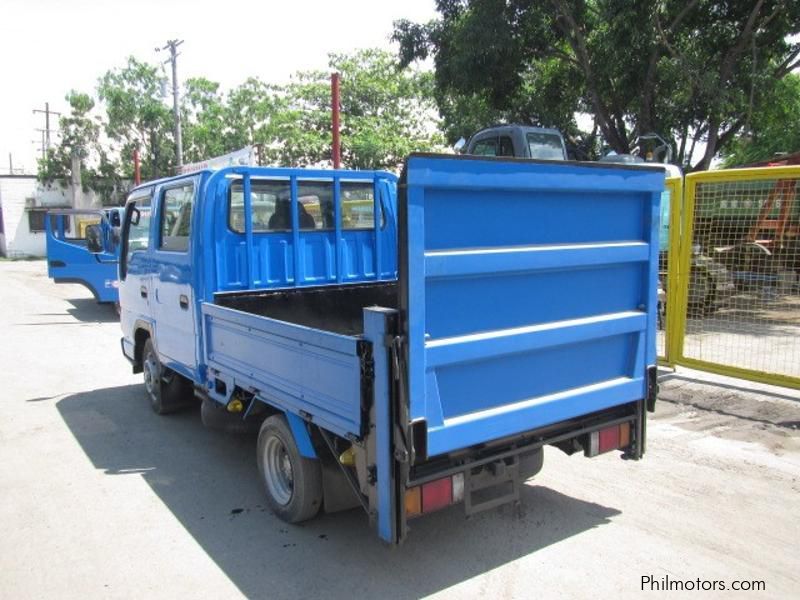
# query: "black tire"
[[293, 493], [167, 391]]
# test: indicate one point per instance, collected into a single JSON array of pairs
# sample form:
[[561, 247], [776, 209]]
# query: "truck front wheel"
[[167, 391], [293, 483]]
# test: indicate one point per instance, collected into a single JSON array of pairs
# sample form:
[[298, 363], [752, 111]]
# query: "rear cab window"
[[271, 205], [496, 145], [545, 146]]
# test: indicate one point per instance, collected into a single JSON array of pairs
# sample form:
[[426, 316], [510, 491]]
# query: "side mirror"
[[135, 214], [94, 239], [459, 145]]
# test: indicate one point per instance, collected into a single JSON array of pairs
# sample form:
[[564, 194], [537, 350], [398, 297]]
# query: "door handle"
[[143, 291], [183, 301]]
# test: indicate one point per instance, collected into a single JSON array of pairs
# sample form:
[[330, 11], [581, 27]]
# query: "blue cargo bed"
[[526, 297]]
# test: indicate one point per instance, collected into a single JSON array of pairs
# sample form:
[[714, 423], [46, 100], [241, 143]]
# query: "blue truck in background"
[[406, 345], [85, 254]]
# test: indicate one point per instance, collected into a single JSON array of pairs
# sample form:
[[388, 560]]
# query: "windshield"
[[545, 146]]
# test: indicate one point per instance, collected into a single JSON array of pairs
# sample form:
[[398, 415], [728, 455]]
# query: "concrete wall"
[[18, 193]]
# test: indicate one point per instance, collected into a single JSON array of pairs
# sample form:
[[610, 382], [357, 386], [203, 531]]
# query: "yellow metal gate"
[[731, 273]]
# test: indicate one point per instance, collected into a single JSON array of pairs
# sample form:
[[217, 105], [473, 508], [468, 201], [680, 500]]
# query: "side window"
[[315, 205], [271, 203], [486, 147], [65, 219], [36, 218], [505, 147], [176, 218], [138, 237], [358, 205]]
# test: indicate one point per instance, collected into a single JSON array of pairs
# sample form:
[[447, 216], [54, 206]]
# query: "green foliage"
[[774, 126], [387, 112], [681, 68], [137, 117], [81, 137], [80, 132], [258, 113], [204, 107]]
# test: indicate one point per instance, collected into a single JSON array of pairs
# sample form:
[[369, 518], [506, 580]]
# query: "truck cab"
[[520, 141], [191, 237]]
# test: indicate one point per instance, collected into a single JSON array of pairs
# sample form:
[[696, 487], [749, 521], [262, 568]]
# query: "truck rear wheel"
[[167, 391], [293, 483]]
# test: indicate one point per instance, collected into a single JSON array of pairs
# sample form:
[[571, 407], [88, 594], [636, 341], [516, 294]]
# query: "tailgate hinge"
[[395, 345], [367, 363], [367, 372]]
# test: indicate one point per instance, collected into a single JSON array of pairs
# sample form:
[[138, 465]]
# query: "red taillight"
[[610, 438], [434, 495], [437, 494]]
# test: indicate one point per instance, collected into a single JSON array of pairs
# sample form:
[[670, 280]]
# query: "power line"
[[172, 46]]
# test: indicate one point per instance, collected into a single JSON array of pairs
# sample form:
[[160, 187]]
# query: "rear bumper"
[[505, 464], [560, 435]]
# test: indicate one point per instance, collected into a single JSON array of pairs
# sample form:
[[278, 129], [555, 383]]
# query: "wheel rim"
[[151, 375], [278, 471]]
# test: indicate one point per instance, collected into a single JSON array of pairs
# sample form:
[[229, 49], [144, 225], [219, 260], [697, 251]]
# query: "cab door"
[[69, 260], [135, 263], [172, 301]]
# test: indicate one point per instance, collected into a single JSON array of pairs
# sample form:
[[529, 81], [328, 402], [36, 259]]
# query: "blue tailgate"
[[529, 290]]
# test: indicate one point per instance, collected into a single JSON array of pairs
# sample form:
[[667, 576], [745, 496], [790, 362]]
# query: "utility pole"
[[335, 106], [47, 112], [172, 46]]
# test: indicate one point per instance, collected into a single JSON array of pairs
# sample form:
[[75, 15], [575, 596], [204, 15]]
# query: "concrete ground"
[[102, 498]]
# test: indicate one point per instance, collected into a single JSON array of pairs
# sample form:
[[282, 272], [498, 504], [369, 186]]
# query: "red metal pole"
[[137, 175], [337, 156]]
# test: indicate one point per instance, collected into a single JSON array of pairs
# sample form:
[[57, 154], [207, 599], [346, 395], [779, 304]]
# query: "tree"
[[204, 119], [774, 126], [684, 69], [137, 118], [256, 113], [79, 134], [387, 113], [80, 138]]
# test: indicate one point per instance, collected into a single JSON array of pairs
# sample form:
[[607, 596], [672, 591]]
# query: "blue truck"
[[85, 254], [406, 345]]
